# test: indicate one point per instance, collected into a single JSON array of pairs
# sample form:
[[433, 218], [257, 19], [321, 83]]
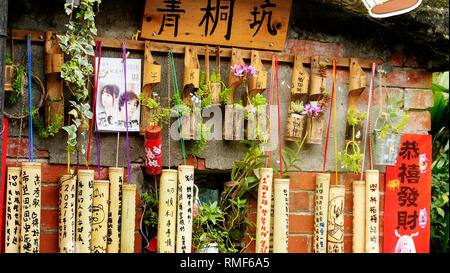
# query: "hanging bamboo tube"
[[300, 77], [54, 58], [13, 208], [272, 213], [281, 216], [191, 67], [185, 205], [321, 212], [115, 203], [264, 209], [233, 80], [99, 223], [66, 227], [356, 87], [128, 218], [151, 77], [335, 230], [167, 211], [216, 87], [257, 85], [9, 78], [318, 77], [31, 207], [372, 211], [358, 216], [85, 189]]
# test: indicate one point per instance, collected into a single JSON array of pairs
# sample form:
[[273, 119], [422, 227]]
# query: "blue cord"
[[30, 125]]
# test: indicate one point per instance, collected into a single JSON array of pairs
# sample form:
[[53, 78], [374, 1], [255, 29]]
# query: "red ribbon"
[[2, 193]]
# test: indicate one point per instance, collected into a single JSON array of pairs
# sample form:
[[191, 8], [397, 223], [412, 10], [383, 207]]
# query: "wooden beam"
[[37, 36]]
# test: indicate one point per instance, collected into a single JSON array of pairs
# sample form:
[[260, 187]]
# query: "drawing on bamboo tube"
[[98, 214], [336, 221]]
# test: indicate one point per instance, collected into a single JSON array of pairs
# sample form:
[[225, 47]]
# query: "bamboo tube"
[[300, 78], [263, 212], [281, 216], [358, 216], [85, 190], [233, 80], [31, 207], [335, 232], [257, 85], [13, 207], [114, 220], [128, 218], [372, 211], [321, 212], [191, 67], [99, 216], [66, 231], [167, 211], [185, 206]]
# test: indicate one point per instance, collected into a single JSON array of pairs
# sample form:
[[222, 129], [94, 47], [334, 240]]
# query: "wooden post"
[[151, 77], [257, 85], [358, 216], [115, 203], [99, 223], [31, 207], [372, 211], [321, 212], [85, 189], [335, 232], [263, 211], [54, 58], [66, 227], [167, 211], [13, 210], [128, 218], [185, 205], [281, 216]]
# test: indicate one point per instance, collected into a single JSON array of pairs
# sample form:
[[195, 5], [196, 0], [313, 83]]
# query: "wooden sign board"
[[258, 24]]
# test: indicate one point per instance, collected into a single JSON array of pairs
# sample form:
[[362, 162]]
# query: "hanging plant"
[[17, 84], [352, 156], [158, 113], [46, 131], [78, 45], [389, 119]]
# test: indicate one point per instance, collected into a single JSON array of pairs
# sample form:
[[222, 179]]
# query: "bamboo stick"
[[358, 216], [335, 232], [128, 218], [85, 189], [115, 203], [372, 211], [185, 206], [321, 212], [167, 211], [281, 216], [13, 210], [263, 211], [66, 226], [99, 216]]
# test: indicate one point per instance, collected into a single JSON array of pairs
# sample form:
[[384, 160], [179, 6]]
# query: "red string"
[[329, 122], [2, 192], [368, 123], [94, 98], [279, 126]]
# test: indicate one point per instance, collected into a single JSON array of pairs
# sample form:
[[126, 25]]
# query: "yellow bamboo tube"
[[12, 227], [321, 212], [115, 196], [99, 221], [264, 210], [272, 208], [372, 211], [281, 215], [66, 224], [167, 211], [185, 204], [335, 231], [85, 190], [128, 218], [358, 216], [31, 207]]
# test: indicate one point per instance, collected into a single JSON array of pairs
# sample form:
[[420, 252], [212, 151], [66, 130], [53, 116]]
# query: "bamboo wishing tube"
[[128, 218], [99, 216], [263, 210], [321, 212], [358, 216], [115, 196], [335, 232], [167, 211], [185, 206], [372, 211], [12, 228], [31, 207], [85, 190], [281, 216], [66, 227]]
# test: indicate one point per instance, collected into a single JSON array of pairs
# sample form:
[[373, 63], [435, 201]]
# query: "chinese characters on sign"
[[85, 188], [66, 228], [408, 197], [335, 232], [99, 216], [321, 212], [264, 210], [372, 211], [218, 22], [12, 231], [167, 211], [185, 206]]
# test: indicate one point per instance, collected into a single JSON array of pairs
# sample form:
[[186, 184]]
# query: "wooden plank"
[[256, 24]]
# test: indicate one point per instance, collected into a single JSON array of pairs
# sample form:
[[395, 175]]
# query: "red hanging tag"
[[153, 160]]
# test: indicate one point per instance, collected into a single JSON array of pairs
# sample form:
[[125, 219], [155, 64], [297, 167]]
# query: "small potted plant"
[[149, 222], [352, 156], [207, 236], [14, 80], [296, 121], [256, 118], [315, 122], [386, 136]]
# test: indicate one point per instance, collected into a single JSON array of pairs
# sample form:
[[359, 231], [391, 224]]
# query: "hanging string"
[[168, 101], [367, 120], [30, 125], [174, 79], [270, 115], [124, 56], [279, 125], [335, 128], [329, 122], [94, 105]]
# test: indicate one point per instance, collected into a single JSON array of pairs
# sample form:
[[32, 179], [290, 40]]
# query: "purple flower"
[[311, 110]]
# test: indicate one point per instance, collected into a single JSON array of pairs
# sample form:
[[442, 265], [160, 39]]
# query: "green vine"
[[352, 154], [50, 130]]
